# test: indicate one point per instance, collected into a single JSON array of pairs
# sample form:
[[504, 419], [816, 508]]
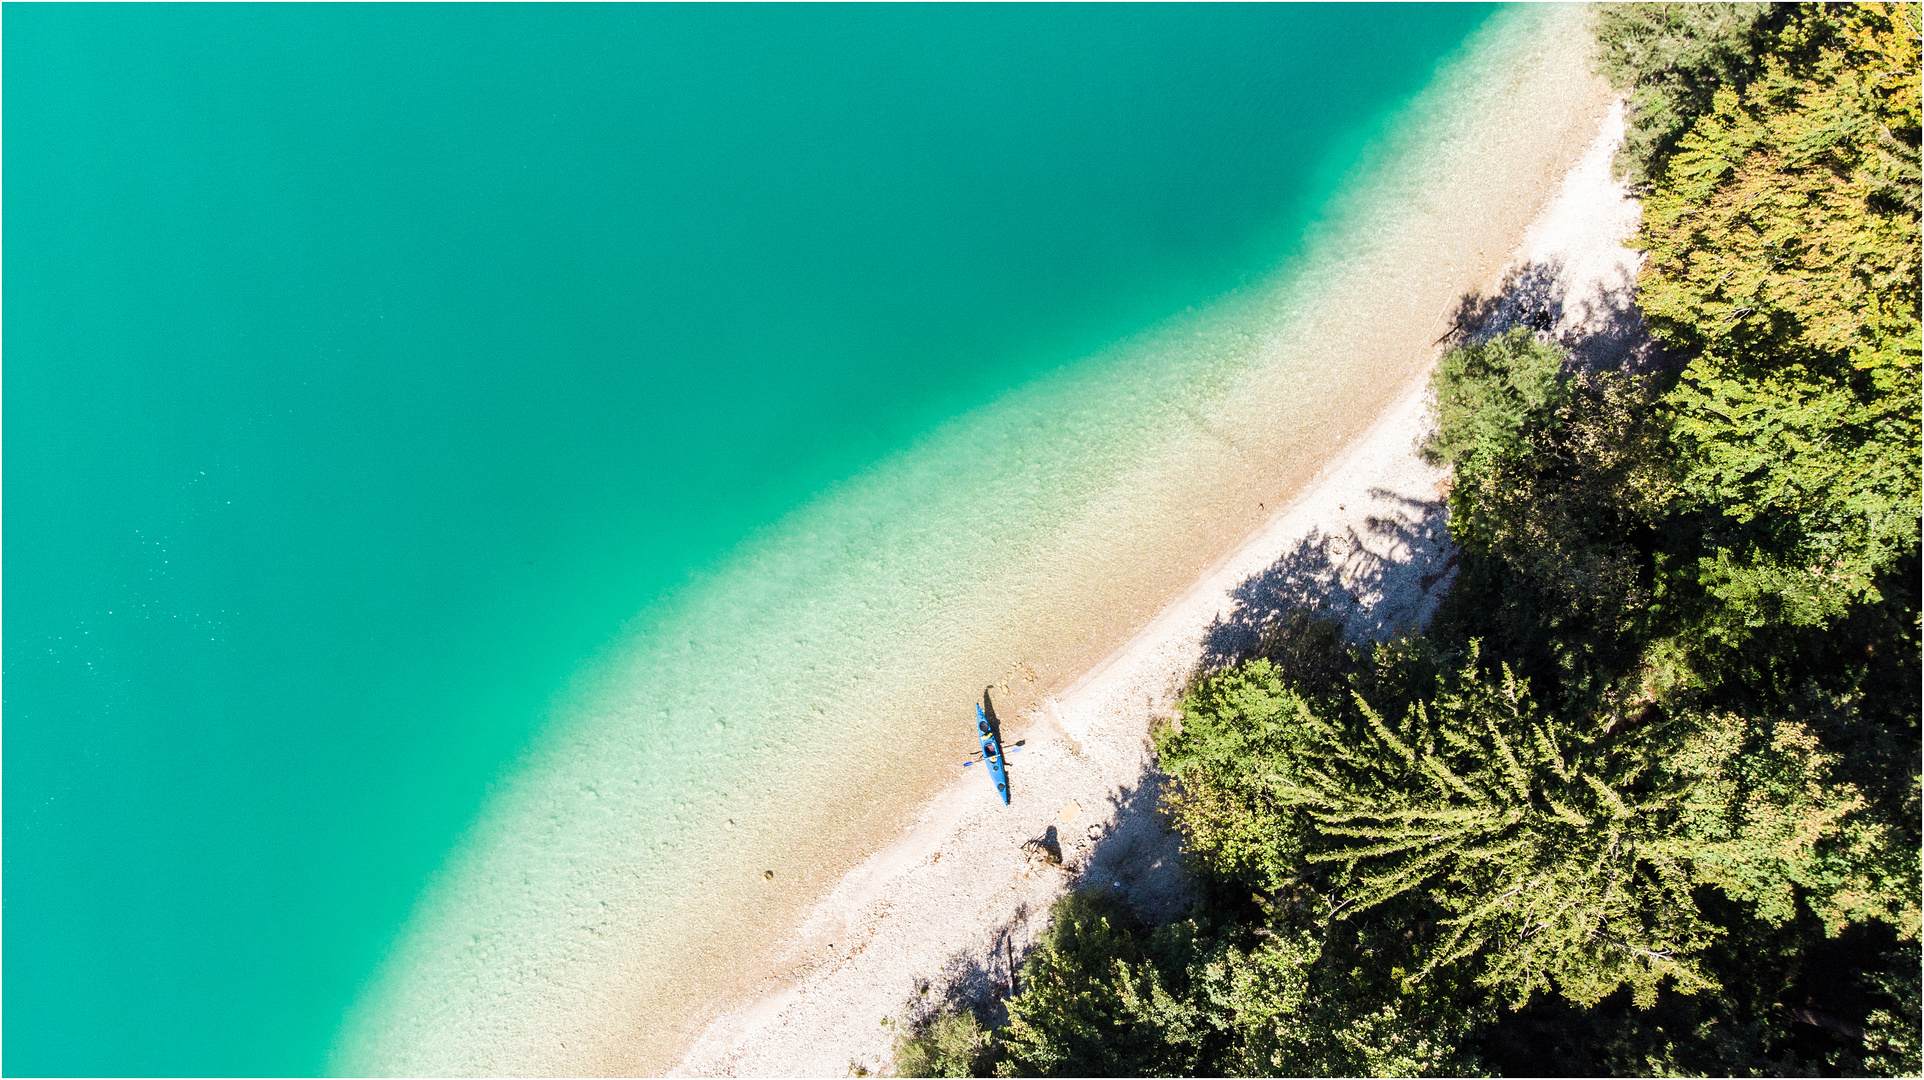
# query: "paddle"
[[1006, 751]]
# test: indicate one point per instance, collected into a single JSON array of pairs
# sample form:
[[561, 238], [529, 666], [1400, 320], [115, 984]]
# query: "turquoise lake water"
[[369, 367]]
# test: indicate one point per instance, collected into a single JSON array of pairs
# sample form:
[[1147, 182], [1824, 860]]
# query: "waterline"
[[786, 709]]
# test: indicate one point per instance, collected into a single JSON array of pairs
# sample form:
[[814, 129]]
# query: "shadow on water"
[[988, 712]]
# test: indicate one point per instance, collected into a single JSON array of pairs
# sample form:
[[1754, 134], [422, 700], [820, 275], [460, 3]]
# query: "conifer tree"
[[1560, 853], [1550, 846]]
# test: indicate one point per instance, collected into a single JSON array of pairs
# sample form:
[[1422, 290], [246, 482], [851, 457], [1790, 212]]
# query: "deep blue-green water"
[[367, 366]]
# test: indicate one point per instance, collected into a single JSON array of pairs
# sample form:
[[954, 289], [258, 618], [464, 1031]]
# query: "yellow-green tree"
[[1784, 251], [1672, 58]]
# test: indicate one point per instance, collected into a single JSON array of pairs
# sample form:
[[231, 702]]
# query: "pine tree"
[[1560, 854], [1550, 846]]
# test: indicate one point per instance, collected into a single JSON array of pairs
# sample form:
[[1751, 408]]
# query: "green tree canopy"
[[1561, 853], [1673, 58], [1784, 252]]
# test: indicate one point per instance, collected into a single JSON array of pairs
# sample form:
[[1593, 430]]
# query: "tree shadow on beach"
[[1598, 322], [978, 980], [1127, 852], [1133, 855], [1371, 583]]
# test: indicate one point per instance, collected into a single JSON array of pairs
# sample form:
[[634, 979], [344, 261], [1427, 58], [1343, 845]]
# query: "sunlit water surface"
[[458, 458]]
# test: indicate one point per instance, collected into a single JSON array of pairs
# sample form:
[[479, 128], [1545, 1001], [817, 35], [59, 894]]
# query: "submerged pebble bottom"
[[784, 712]]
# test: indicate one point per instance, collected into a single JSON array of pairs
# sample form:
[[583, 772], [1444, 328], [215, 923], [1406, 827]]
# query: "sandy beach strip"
[[954, 902], [1079, 545]]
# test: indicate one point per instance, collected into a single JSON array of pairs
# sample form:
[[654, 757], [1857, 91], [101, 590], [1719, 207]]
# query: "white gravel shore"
[[957, 899]]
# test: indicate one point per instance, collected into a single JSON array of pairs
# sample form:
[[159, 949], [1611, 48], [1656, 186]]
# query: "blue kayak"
[[992, 754]]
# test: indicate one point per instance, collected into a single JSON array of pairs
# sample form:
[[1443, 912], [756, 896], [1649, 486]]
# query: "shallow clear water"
[[370, 368], [787, 707]]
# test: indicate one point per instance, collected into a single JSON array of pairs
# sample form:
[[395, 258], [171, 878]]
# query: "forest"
[[1644, 797]]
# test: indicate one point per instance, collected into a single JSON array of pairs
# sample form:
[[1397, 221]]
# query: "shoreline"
[[611, 908], [1085, 771], [1366, 535]]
